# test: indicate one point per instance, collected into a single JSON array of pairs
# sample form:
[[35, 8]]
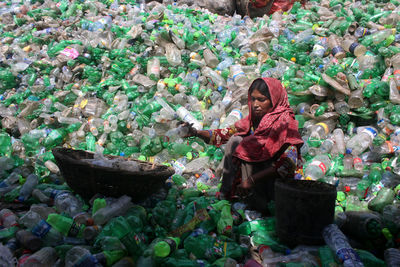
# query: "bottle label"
[[219, 248], [227, 98], [325, 126], [321, 165], [86, 260], [370, 131], [155, 69], [237, 74], [390, 146], [70, 52], [357, 160], [74, 230], [362, 32], [41, 229], [353, 47], [7, 214], [200, 215], [179, 167], [319, 50], [172, 244], [237, 114], [348, 254], [336, 50]]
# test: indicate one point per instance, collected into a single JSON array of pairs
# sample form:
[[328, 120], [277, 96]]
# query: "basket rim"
[[63, 154]]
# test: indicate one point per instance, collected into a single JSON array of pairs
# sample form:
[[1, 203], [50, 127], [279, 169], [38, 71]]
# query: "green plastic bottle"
[[384, 197], [327, 257], [55, 138], [65, 225], [165, 247]]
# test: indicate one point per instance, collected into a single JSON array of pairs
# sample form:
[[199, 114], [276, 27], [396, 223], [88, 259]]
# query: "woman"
[[262, 147]]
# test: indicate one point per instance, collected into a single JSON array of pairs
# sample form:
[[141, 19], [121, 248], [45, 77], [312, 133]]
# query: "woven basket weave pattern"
[[87, 179]]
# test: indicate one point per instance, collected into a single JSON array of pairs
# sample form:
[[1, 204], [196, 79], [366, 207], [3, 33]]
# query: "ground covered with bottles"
[[116, 78]]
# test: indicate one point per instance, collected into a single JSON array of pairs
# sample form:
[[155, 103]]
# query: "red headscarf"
[[276, 129]]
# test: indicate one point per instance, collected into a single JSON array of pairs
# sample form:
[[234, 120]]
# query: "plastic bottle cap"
[[162, 249], [293, 59], [90, 221]]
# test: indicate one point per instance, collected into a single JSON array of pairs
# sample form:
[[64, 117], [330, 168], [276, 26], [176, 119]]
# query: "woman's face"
[[260, 104]]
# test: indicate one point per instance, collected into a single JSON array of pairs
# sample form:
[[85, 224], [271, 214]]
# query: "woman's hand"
[[245, 186], [191, 130]]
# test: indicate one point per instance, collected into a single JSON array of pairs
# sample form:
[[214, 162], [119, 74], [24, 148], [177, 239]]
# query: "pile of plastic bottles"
[[116, 77]]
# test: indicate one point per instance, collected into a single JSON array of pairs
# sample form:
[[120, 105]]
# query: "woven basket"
[[87, 179]]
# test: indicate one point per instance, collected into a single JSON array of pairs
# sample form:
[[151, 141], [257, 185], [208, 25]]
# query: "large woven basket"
[[87, 179]]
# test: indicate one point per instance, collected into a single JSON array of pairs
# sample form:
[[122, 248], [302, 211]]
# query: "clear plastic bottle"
[[348, 162], [153, 68], [30, 219], [338, 242], [105, 214], [361, 32], [396, 70], [338, 136], [226, 63], [238, 76], [361, 141], [211, 60], [186, 116], [353, 47], [337, 50], [26, 190], [320, 47], [217, 79], [45, 257], [8, 218], [80, 257], [173, 54], [322, 129], [48, 234], [326, 146], [392, 257], [233, 117], [10, 180], [317, 168], [304, 36], [303, 108], [394, 94], [356, 99]]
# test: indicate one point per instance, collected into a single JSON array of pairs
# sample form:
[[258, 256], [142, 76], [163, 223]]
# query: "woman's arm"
[[215, 137], [264, 174], [205, 135], [284, 167]]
